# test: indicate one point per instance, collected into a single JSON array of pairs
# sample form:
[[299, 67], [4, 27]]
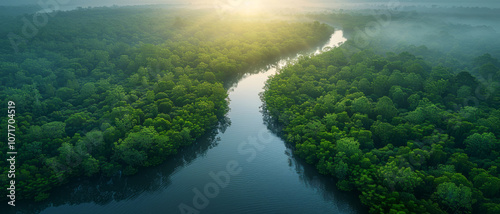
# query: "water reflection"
[[275, 182], [309, 176], [336, 39], [104, 190]]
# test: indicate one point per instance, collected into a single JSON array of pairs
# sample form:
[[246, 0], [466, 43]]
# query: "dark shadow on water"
[[325, 185], [309, 175], [103, 190]]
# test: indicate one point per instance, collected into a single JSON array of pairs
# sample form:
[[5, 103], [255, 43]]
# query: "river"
[[242, 167]]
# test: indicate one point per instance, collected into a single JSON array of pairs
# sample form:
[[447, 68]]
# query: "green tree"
[[481, 145], [65, 93], [90, 166], [386, 108], [455, 197], [399, 178], [54, 130], [78, 122], [341, 170], [381, 85], [488, 184], [209, 77], [88, 89], [362, 105], [461, 163], [383, 132], [348, 146], [399, 96]]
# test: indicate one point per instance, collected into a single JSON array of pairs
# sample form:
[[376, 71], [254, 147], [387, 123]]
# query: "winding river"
[[243, 167]]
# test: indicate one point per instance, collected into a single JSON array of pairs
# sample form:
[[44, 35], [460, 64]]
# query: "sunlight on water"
[[274, 182]]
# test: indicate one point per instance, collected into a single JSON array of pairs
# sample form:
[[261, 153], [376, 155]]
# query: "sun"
[[242, 7], [251, 7], [255, 7]]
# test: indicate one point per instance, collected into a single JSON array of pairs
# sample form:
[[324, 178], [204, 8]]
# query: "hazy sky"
[[89, 2], [286, 3]]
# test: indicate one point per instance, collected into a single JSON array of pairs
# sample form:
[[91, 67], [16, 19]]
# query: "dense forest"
[[410, 136], [109, 90], [452, 37], [404, 114]]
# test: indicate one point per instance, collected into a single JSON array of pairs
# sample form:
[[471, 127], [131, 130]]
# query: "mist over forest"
[[346, 4], [395, 103]]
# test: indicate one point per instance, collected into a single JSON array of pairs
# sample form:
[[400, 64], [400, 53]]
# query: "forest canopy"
[[109, 90], [404, 113], [410, 136]]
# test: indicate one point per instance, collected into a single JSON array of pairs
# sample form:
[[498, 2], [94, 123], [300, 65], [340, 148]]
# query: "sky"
[[89, 2], [260, 3]]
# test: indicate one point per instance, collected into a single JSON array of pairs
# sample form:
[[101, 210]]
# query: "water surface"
[[263, 175]]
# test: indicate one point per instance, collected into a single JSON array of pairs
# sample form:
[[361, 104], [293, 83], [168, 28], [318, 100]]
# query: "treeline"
[[410, 137], [106, 91], [451, 37]]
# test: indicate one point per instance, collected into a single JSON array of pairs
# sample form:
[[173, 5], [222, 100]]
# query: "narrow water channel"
[[241, 168]]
